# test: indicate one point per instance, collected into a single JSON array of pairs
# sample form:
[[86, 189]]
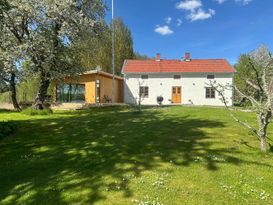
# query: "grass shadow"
[[98, 150]]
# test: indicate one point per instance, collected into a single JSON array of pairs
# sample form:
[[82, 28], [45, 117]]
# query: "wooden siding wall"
[[106, 89], [90, 87]]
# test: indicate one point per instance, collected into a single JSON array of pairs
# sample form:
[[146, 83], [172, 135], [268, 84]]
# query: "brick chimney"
[[188, 57], [158, 57]]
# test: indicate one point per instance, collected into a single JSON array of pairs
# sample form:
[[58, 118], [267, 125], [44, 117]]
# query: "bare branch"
[[220, 90], [256, 73], [249, 82], [250, 98]]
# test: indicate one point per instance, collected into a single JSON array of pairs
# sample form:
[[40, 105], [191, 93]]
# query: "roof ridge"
[[179, 60]]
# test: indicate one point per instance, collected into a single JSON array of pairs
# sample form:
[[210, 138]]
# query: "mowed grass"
[[172, 155]]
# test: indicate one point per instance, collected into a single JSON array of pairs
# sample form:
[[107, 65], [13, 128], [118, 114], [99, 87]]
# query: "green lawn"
[[172, 155]]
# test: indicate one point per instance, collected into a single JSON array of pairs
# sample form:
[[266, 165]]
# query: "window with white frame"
[[210, 92], [144, 91]]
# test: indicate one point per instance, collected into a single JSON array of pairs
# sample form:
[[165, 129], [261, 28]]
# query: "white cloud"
[[195, 9], [220, 1], [168, 20], [189, 5], [179, 22], [244, 2], [200, 14], [163, 30]]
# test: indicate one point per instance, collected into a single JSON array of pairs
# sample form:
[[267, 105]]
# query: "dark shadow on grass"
[[6, 111], [78, 152]]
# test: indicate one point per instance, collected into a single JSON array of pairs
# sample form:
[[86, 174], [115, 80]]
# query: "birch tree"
[[260, 66], [45, 30]]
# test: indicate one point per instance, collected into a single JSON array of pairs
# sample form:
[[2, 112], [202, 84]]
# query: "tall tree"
[[123, 44], [245, 76], [9, 71], [46, 29], [101, 55], [259, 80], [10, 56]]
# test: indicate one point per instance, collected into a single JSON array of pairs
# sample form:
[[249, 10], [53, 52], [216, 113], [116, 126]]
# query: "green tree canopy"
[[45, 30], [101, 53]]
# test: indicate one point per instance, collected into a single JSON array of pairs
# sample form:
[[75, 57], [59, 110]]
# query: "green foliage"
[[41, 33], [26, 90], [6, 128], [101, 52], [139, 56], [245, 72], [31, 111], [5, 97]]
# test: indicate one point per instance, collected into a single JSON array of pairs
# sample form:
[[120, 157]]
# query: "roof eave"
[[123, 66], [176, 72]]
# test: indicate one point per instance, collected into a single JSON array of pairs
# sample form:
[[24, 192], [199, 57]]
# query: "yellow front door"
[[90, 92], [176, 94]]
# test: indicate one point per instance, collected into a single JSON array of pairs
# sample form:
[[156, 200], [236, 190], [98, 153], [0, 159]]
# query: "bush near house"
[[31, 111]]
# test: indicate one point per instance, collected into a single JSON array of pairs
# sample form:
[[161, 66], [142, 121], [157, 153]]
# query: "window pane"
[[144, 77], [144, 92], [77, 93], [207, 92], [70, 93], [174, 90], [179, 90], [177, 77], [210, 93], [210, 76]]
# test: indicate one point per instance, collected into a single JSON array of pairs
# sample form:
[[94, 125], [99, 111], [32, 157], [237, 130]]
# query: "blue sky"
[[205, 28]]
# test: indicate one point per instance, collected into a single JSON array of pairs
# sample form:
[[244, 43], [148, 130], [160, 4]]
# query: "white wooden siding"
[[193, 88]]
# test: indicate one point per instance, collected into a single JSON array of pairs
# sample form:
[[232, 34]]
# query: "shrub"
[[31, 111], [25, 104], [6, 129]]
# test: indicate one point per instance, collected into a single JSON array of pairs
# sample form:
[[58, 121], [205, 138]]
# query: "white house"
[[185, 81]]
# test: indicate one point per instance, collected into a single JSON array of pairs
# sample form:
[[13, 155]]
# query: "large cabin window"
[[70, 93]]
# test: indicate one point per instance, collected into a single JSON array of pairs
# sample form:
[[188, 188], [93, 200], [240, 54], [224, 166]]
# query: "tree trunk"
[[264, 120], [41, 96], [13, 92], [263, 143]]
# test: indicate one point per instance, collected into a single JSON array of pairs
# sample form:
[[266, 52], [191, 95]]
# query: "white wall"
[[193, 88]]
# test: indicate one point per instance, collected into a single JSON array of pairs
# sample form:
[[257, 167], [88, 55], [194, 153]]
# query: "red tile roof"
[[178, 66]]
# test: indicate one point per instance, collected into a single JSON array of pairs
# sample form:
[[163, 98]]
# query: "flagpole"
[[113, 53]]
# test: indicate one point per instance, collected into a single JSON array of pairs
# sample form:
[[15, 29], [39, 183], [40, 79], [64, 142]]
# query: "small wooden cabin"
[[91, 87]]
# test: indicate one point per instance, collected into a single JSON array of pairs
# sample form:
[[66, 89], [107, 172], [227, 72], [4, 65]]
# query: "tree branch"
[[248, 82], [256, 73], [246, 125]]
